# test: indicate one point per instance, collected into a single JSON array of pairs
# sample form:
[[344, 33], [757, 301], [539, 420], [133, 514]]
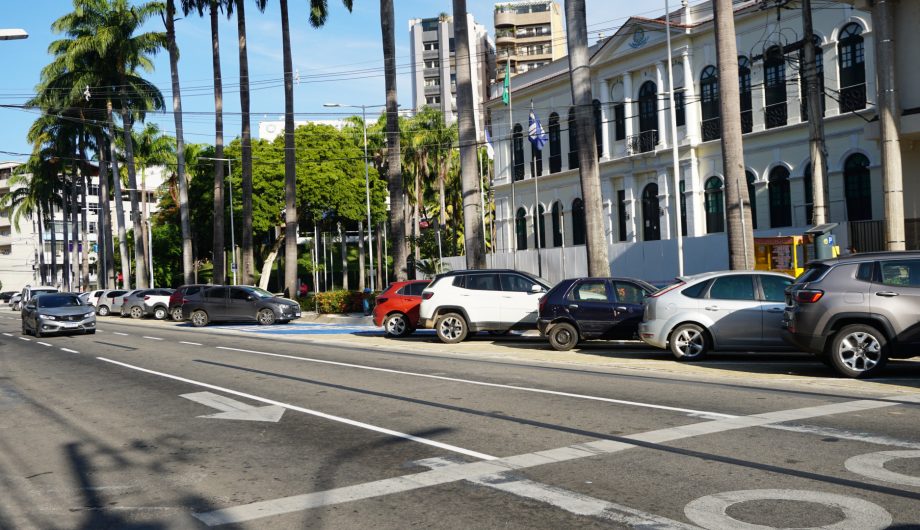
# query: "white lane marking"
[[27, 339], [43, 343], [435, 477], [190, 343], [831, 432], [231, 409], [8, 334], [119, 333], [872, 465], [711, 511], [151, 338], [69, 350], [699, 413], [354, 423]]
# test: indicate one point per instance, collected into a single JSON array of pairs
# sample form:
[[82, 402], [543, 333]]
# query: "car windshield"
[[812, 273], [58, 300], [259, 293]]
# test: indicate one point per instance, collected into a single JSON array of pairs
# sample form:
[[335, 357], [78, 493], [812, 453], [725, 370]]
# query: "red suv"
[[397, 307]]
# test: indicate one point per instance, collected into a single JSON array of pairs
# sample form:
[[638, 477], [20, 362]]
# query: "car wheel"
[[176, 314], [37, 332], [137, 312], [265, 317], [859, 351], [102, 310], [160, 313], [396, 325], [689, 343], [199, 318], [451, 328], [563, 336]]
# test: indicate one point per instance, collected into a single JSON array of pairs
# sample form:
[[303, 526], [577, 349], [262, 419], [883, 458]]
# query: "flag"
[[490, 149], [506, 92], [538, 137]]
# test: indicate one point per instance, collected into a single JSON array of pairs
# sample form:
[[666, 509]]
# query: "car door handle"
[[712, 308], [886, 294], [621, 309], [775, 310], [573, 306]]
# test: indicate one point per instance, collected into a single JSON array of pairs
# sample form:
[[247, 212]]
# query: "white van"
[[29, 291]]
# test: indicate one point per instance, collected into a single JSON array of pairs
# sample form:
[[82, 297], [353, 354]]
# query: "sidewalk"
[[351, 319]]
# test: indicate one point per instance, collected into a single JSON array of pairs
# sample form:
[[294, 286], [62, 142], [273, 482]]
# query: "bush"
[[336, 301]]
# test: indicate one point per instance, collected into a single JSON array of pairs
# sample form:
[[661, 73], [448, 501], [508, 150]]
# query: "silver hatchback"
[[728, 310]]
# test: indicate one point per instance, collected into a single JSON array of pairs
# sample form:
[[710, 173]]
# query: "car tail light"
[[146, 297], [542, 304], [808, 296], [175, 298], [185, 301], [124, 300], [426, 295], [669, 288]]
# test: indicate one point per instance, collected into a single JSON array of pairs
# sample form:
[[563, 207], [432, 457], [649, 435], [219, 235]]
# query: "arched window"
[[857, 188], [851, 56], [803, 76], [578, 222], [598, 128], [648, 118], [774, 66], [651, 213], [555, 144], [539, 227], [518, 154], [557, 224], [747, 102], [780, 202], [752, 196], [715, 206], [573, 141], [520, 229], [709, 103], [683, 209], [808, 185]]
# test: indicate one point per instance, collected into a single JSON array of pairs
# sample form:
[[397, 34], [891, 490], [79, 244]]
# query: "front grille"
[[73, 318]]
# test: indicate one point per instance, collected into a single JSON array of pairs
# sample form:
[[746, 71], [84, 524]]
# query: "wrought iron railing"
[[643, 142], [712, 129], [776, 115], [853, 98]]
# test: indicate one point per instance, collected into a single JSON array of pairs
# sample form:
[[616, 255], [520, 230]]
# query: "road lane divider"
[[43, 343], [119, 333], [27, 339], [151, 338], [190, 343], [354, 423], [8, 334], [68, 350]]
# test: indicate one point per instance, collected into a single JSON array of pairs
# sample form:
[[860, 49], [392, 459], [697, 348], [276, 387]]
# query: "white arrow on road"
[[233, 409]]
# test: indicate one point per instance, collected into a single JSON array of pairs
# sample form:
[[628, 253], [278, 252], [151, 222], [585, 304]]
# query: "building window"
[[747, 102], [851, 56], [710, 104], [539, 227], [598, 128], [518, 155], [857, 188], [433, 100], [432, 81], [780, 202], [808, 185], [555, 144], [431, 46], [92, 227], [578, 222], [520, 228], [715, 206], [775, 91], [648, 118], [752, 196], [803, 84], [680, 108], [621, 214], [651, 213], [557, 224], [619, 121], [683, 209], [573, 141], [432, 64]]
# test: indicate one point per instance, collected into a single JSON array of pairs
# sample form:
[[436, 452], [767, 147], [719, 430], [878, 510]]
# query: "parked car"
[[156, 304], [176, 298], [730, 310], [396, 308], [856, 312], [47, 313], [6, 295], [110, 301], [223, 303], [579, 309], [458, 303], [93, 296], [28, 292], [14, 301], [146, 302]]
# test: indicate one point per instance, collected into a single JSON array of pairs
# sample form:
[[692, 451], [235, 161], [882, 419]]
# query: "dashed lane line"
[[151, 338], [119, 333], [8, 334], [190, 343], [68, 350], [27, 339], [43, 343]]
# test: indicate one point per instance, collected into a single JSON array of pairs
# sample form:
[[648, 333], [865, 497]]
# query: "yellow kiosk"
[[787, 254]]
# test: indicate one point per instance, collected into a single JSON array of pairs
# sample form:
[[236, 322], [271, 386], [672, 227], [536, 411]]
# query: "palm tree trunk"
[[361, 255], [394, 169], [220, 272], [473, 230], [105, 227], [415, 217], [187, 255], [119, 205], [737, 203], [140, 259], [576, 26], [344, 254], [65, 206], [53, 245], [290, 175], [84, 225], [380, 263], [146, 219], [75, 226], [270, 262], [248, 259], [41, 245]]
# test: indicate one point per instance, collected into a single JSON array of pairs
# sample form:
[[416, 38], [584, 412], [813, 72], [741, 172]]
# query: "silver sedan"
[[57, 313]]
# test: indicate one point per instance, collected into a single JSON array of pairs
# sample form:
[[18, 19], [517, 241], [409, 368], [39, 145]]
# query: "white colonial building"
[[634, 137]]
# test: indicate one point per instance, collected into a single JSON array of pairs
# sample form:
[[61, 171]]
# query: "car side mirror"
[[536, 288], [30, 307], [250, 298]]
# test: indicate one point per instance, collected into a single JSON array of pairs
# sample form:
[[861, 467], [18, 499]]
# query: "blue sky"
[[341, 62]]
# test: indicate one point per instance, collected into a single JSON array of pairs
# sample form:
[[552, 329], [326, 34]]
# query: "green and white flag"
[[506, 93]]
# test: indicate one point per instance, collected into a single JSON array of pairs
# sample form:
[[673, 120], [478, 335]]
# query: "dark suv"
[[176, 298], [856, 312], [216, 303]]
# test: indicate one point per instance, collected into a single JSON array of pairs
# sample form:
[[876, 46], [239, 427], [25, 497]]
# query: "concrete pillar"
[[629, 108], [606, 121], [663, 119], [692, 106]]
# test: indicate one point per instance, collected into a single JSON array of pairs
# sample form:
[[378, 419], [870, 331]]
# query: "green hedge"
[[336, 301]]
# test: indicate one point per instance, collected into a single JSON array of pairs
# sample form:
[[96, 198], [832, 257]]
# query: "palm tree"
[[169, 21], [318, 14], [151, 148], [394, 176], [247, 258]]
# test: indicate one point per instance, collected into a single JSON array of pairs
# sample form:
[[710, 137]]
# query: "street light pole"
[[229, 162]]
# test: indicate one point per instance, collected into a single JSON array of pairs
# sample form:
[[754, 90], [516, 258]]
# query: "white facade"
[[629, 83], [18, 248]]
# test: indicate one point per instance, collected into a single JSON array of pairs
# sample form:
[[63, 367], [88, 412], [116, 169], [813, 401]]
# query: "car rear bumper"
[[805, 342], [653, 334]]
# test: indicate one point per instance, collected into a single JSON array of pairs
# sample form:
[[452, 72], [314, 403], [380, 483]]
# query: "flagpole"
[[536, 188], [510, 164], [675, 193]]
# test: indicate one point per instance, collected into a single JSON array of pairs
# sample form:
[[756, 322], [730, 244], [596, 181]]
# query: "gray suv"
[[856, 312]]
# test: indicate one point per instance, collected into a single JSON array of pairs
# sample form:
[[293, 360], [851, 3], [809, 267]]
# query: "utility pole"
[[814, 98], [737, 202]]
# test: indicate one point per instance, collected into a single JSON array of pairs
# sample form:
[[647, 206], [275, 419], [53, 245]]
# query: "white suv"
[[459, 302]]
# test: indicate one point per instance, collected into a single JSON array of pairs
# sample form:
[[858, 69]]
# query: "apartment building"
[[529, 34], [434, 65]]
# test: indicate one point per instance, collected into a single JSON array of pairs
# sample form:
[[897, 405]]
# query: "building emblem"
[[639, 38]]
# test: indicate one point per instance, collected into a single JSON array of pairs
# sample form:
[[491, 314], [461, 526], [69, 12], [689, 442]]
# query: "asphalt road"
[[144, 426]]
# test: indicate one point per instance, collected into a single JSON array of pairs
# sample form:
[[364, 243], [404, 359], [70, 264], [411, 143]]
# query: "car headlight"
[[47, 317], [88, 314]]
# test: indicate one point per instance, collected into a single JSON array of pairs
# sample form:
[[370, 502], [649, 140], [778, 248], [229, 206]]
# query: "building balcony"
[[643, 142], [504, 18], [712, 129], [505, 38]]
